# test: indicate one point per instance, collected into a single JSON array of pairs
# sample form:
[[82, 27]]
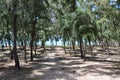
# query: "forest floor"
[[56, 65]]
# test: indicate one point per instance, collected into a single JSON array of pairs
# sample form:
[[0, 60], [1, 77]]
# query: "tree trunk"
[[81, 49], [9, 45], [90, 46], [103, 45], [35, 48], [43, 45], [118, 43], [5, 43], [56, 42], [32, 38], [17, 65], [51, 41], [107, 46], [11, 53], [73, 46], [15, 47], [8, 40], [31, 46], [64, 47], [22, 44], [25, 55], [69, 44], [2, 46]]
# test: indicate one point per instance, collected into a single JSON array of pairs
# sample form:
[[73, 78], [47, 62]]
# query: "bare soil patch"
[[56, 65]]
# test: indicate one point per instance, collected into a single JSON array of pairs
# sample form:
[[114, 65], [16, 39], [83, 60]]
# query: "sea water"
[[47, 43], [50, 43]]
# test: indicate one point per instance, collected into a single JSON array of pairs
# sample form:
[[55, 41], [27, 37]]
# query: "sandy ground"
[[56, 65]]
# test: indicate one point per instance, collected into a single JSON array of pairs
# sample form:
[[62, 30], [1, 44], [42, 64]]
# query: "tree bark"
[[56, 42], [107, 46], [81, 49], [64, 47], [25, 55], [51, 41], [32, 38], [31, 46], [17, 65], [11, 54], [90, 46], [15, 47], [118, 43], [35, 48], [9, 43], [73, 45], [43, 45]]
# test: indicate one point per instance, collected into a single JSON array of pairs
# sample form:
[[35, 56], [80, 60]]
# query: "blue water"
[[48, 43]]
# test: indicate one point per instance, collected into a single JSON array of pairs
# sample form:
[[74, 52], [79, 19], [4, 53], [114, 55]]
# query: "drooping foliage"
[[77, 22]]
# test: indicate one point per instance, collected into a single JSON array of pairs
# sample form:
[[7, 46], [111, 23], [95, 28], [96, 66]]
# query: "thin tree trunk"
[[15, 47], [81, 49], [9, 45], [56, 42], [103, 45], [25, 55], [73, 46], [31, 46], [2, 46], [35, 47], [17, 65], [11, 53], [64, 47], [118, 43], [69, 46], [32, 38], [84, 52], [90, 46], [51, 40], [107, 46], [43, 45], [22, 44], [5, 43]]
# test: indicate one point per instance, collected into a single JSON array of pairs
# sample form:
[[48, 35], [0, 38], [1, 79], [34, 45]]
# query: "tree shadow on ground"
[[60, 67], [97, 59], [109, 67], [39, 70]]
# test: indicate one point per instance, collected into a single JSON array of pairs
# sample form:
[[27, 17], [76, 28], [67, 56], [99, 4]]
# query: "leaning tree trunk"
[[17, 65]]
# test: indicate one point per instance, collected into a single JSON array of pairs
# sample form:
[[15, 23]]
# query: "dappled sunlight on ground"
[[56, 65]]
